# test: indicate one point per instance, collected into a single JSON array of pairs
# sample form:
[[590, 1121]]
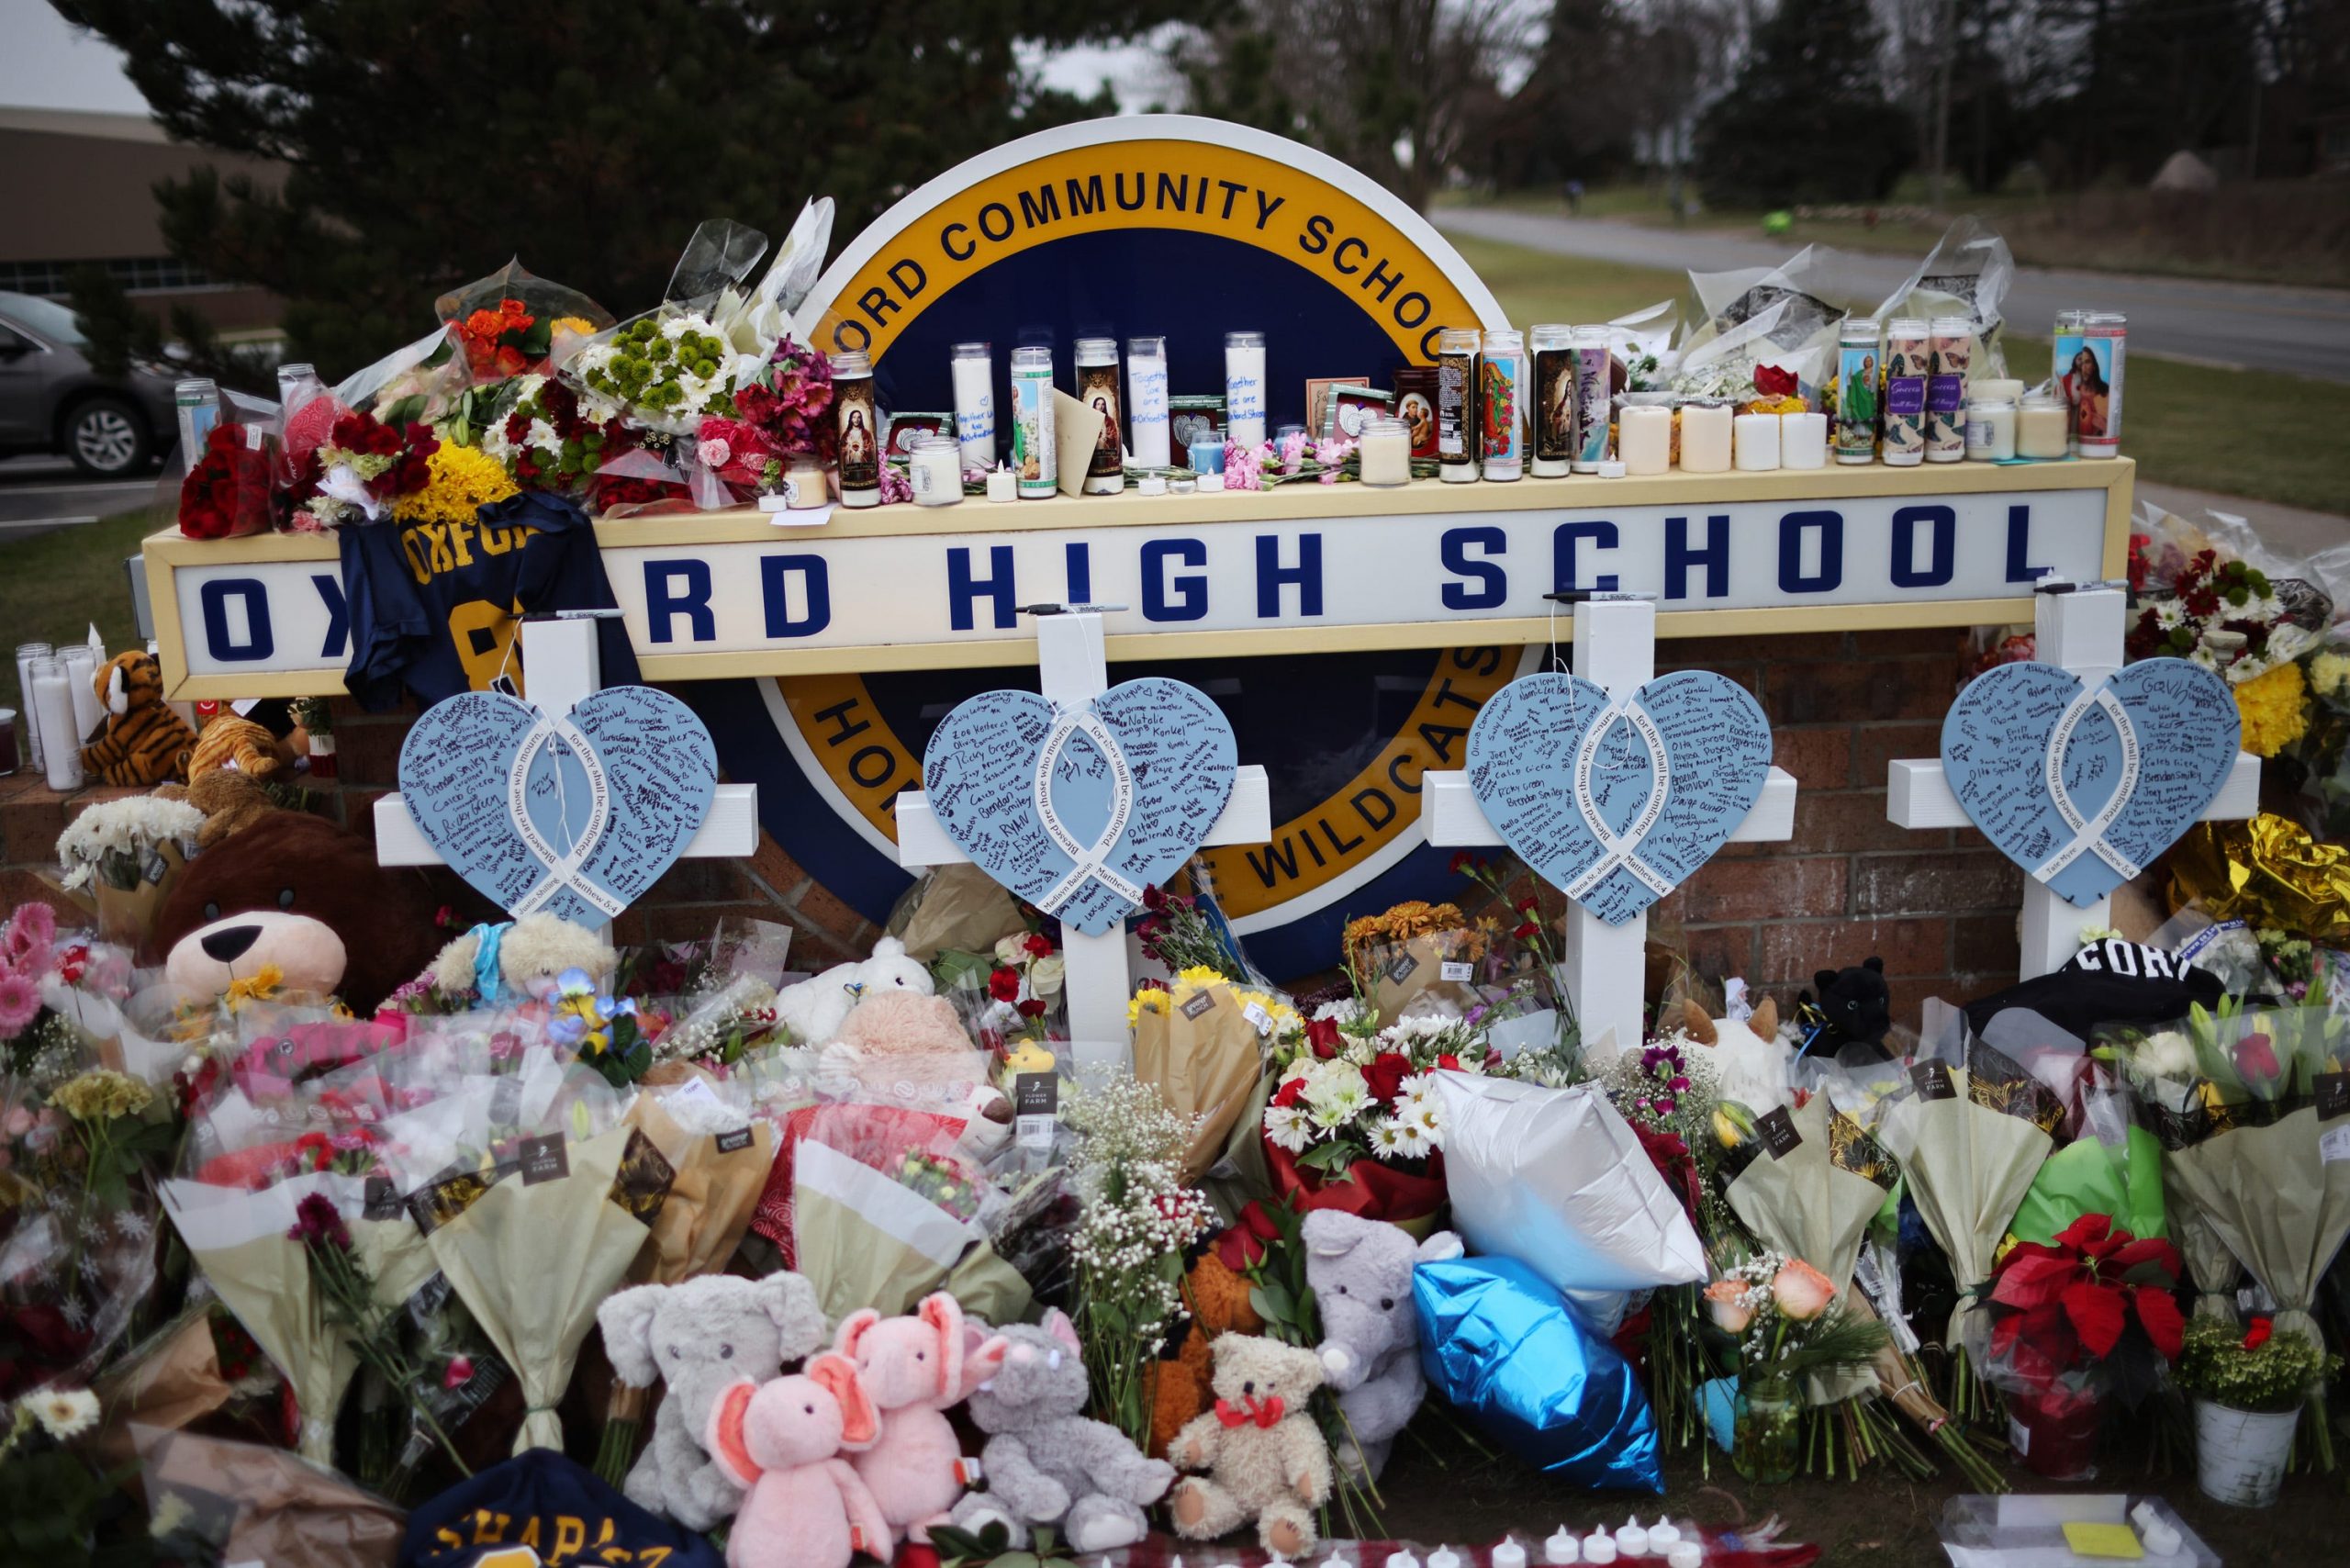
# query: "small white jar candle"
[[2044, 427], [1705, 438], [1385, 450], [1508, 1554], [1757, 437], [1803, 443], [1562, 1548], [934, 470], [1644, 438], [1243, 388], [804, 484], [1990, 428]]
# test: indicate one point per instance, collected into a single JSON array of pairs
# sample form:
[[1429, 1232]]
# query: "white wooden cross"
[[1072, 667], [563, 668], [1614, 647], [2080, 629]]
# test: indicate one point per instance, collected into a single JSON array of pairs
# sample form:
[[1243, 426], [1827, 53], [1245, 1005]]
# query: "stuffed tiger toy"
[[145, 742], [232, 741]]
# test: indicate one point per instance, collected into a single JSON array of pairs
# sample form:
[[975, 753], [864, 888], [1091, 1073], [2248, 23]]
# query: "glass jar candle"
[[1459, 354], [1035, 457], [26, 654], [1097, 388], [51, 697], [1990, 428], [1146, 401], [1705, 437], [1644, 438], [2044, 427], [1551, 406], [1756, 437], [1501, 419], [1243, 388], [1385, 450], [934, 470], [858, 418], [973, 367]]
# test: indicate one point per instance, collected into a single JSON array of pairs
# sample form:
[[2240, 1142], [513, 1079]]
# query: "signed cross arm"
[[732, 828], [1247, 818], [1917, 795], [1456, 821]]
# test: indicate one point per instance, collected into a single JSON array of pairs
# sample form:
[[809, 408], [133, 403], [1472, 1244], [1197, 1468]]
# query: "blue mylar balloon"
[[1505, 1348]]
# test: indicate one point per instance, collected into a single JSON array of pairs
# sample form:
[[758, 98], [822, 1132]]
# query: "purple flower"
[[318, 1223]]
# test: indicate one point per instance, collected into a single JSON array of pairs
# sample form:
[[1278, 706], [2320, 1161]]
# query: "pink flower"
[[1725, 1299], [20, 1003], [1244, 466], [1802, 1292], [459, 1372], [895, 485], [713, 451]]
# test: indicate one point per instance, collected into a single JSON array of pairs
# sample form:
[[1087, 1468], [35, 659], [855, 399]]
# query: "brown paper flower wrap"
[[716, 1182], [262, 1505], [1197, 1045], [170, 1382]]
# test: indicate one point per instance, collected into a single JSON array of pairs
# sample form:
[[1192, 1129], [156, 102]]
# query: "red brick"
[[1788, 952], [23, 887], [817, 906], [1765, 890], [812, 951], [370, 752], [1910, 996], [1876, 745], [1985, 944], [23, 781], [1946, 882], [28, 828], [1823, 692], [1821, 758], [1749, 675], [778, 871], [689, 923], [98, 795], [1850, 821]]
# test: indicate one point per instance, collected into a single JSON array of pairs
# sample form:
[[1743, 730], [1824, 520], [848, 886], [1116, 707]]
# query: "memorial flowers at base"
[[1789, 1323], [1353, 1122]]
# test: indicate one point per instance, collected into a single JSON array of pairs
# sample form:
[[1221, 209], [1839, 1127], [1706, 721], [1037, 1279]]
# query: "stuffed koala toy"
[[1361, 1273], [1263, 1455], [814, 1009], [511, 960], [698, 1338], [1045, 1463]]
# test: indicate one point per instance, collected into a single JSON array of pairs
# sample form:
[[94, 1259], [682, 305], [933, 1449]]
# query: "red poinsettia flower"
[[1384, 1077], [1322, 1035], [2071, 1302], [1004, 985]]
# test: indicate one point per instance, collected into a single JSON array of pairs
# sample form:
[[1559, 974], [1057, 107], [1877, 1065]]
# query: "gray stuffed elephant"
[[1361, 1273], [698, 1338]]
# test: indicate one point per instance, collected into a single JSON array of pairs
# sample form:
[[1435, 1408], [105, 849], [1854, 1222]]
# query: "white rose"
[[1046, 975]]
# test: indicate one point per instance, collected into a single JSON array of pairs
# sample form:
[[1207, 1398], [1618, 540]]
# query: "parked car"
[[52, 400]]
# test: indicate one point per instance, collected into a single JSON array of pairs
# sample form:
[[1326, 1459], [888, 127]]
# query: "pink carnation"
[[713, 451]]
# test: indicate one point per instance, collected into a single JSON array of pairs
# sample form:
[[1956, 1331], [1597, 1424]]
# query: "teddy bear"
[[1360, 1270], [1855, 1008], [814, 1009], [1216, 1297], [1263, 1456], [696, 1338], [1045, 1463], [914, 1368], [1753, 1065], [296, 892], [234, 741], [902, 1044], [145, 742], [231, 801], [510, 960], [806, 1506]]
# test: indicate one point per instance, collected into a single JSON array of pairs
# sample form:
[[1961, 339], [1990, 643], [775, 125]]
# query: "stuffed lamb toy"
[[814, 1009], [1361, 1273]]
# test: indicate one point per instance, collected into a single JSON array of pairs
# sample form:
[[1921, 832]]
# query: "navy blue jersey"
[[556, 1508], [435, 608]]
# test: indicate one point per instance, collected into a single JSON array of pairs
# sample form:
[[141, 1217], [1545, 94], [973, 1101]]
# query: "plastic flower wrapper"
[[754, 322], [1754, 362], [1968, 273], [534, 1198], [745, 949], [668, 368], [1202, 1042], [416, 383], [514, 322], [232, 480], [216, 1500], [125, 856], [2105, 1162]]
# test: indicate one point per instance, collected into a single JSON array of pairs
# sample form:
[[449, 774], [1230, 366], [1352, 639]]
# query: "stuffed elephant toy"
[[698, 1338], [1361, 1273]]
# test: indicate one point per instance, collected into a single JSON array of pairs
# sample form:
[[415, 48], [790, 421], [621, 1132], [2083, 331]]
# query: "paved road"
[[40, 494], [2251, 326]]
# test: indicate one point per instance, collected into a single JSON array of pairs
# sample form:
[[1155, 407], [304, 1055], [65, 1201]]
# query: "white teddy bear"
[[814, 1009]]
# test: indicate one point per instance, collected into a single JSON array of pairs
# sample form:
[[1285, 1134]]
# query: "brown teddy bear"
[[297, 892], [1217, 1300], [1264, 1456], [230, 801]]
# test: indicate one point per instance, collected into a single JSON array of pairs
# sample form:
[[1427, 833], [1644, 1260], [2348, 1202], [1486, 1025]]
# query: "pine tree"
[[1807, 119]]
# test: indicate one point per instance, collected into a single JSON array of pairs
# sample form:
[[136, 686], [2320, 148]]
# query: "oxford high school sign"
[[819, 658]]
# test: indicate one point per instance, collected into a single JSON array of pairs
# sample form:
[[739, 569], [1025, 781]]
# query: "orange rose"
[[1802, 1292], [1724, 1299]]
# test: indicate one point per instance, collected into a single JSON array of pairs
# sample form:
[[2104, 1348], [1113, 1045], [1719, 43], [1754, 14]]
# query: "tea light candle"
[[1644, 438], [1705, 438], [1598, 1546], [1444, 1557], [1803, 443], [1664, 1534], [1611, 468], [2042, 427], [1334, 1561], [1002, 484], [1687, 1555], [1385, 450], [1243, 388], [1508, 1554], [1990, 428], [1403, 1558], [1151, 484], [51, 699], [934, 470], [1758, 443], [2160, 1538], [1562, 1547], [1631, 1539]]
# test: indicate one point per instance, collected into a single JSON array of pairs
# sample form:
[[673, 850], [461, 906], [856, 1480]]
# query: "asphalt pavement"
[[2304, 332], [40, 494]]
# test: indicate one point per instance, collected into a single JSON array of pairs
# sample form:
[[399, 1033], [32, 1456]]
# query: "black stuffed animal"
[[1855, 1008]]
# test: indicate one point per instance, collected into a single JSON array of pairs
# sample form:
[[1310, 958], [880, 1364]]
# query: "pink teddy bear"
[[915, 1369], [806, 1508]]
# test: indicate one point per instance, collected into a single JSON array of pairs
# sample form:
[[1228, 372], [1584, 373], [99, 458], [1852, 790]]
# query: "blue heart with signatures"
[[1078, 808], [575, 815], [2084, 786], [1616, 806]]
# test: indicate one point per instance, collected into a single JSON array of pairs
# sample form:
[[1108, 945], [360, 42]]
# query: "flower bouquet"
[[781, 419], [2248, 1382], [1201, 1042], [514, 323], [1790, 1323], [364, 470], [1354, 1122], [125, 856], [49, 1494], [232, 482]]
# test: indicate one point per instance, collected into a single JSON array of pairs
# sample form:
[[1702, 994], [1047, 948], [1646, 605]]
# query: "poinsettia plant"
[[2072, 1305]]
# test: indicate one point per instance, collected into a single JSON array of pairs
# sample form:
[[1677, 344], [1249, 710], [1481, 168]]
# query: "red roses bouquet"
[[226, 492]]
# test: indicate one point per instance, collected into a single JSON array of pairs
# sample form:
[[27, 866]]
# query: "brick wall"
[[1940, 907]]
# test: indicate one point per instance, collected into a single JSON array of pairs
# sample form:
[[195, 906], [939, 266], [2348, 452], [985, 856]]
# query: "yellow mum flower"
[[464, 479], [1199, 977], [2275, 709], [259, 986], [2330, 673]]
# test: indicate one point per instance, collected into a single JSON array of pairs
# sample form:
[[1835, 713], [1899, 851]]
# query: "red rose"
[[1386, 1074], [1770, 381], [1449, 1062], [1033, 1008], [1257, 1222], [2256, 1057], [1322, 1034], [1038, 946], [1290, 1092], [1238, 1250], [1004, 985]]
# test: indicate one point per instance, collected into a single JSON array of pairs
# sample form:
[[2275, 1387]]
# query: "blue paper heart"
[[655, 759], [1534, 736], [1174, 746], [2178, 730]]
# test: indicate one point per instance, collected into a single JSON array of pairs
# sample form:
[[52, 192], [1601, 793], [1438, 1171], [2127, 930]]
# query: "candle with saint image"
[[1594, 393], [1953, 349], [860, 429], [1500, 425], [1908, 353], [1456, 403], [1034, 456], [2090, 345], [1553, 379], [1097, 388]]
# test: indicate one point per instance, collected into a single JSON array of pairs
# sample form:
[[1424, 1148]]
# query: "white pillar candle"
[[51, 700], [1705, 438], [1146, 401], [934, 470], [974, 369], [26, 654], [1803, 441], [1243, 388], [1385, 450], [81, 678], [1758, 443], [1644, 438]]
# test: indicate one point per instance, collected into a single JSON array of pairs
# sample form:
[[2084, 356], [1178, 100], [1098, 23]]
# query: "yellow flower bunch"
[[101, 1095], [2275, 709], [1785, 403], [464, 479], [259, 986], [1152, 1000], [2330, 674]]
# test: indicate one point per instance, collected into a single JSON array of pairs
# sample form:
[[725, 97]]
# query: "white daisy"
[[1387, 1140], [64, 1413], [1410, 1143], [1287, 1128]]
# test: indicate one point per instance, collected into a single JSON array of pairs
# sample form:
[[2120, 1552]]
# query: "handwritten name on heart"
[[1078, 809], [576, 815], [2083, 786], [1616, 803]]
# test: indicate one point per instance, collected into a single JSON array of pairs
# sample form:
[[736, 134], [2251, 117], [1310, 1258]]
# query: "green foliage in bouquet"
[[991, 1547], [2257, 1370]]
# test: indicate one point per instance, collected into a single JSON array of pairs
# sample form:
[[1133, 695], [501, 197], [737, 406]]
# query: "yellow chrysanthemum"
[[1142, 1002], [259, 986], [1199, 977], [2330, 674], [464, 479], [2275, 709]]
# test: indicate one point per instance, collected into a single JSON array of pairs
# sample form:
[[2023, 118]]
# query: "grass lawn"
[[53, 586], [2267, 437]]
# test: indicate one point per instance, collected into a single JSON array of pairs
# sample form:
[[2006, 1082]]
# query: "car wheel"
[[107, 439]]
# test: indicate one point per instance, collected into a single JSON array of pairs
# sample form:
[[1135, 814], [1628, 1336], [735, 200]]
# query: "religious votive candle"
[[51, 697], [2044, 427], [1459, 355], [1550, 410], [1502, 419], [1803, 441], [1035, 459], [1146, 401], [1595, 389], [1243, 388], [858, 418], [973, 367], [1756, 439], [1644, 438], [934, 470], [1953, 353], [1385, 450], [1705, 437], [1097, 388]]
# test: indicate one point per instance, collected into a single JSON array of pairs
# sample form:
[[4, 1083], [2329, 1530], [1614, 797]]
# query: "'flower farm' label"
[[1779, 1134], [544, 1159]]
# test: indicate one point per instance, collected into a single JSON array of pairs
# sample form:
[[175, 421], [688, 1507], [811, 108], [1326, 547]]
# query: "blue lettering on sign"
[[1079, 557], [962, 588], [1453, 546], [1191, 600], [1941, 548], [1679, 557], [775, 581], [1792, 528], [663, 603], [1271, 574], [1603, 536], [2019, 546], [336, 642], [259, 641]]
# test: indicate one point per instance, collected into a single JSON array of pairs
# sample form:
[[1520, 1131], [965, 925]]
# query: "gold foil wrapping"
[[2267, 871]]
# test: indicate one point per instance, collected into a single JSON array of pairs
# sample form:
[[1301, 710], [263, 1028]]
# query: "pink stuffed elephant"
[[915, 1369], [782, 1439]]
